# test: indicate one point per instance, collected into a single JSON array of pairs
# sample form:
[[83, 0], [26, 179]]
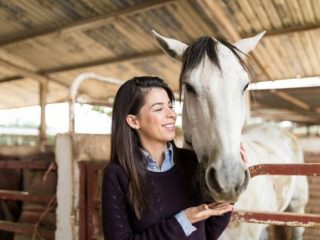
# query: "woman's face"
[[156, 118]]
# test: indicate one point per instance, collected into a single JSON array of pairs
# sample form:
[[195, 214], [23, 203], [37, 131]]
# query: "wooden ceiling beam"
[[88, 65], [289, 30], [27, 73], [295, 101], [284, 114], [309, 113], [215, 12], [102, 62], [92, 22], [41, 78], [9, 79]]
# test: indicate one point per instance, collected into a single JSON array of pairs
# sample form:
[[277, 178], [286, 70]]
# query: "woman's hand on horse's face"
[[204, 211], [243, 154]]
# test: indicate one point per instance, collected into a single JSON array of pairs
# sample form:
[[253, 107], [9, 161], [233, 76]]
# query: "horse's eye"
[[245, 88], [190, 89]]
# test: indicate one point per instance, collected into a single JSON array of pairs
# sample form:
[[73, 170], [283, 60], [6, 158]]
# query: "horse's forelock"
[[236, 52], [194, 54]]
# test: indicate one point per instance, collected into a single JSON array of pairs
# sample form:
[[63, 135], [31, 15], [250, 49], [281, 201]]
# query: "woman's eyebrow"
[[160, 103]]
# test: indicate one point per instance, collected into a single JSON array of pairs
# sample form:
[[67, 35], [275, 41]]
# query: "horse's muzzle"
[[226, 188]]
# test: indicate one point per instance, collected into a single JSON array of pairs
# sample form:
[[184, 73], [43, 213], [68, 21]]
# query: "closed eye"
[[190, 89]]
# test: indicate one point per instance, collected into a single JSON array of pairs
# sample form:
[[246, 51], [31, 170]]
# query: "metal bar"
[[282, 219], [16, 164], [306, 169], [25, 228], [24, 196]]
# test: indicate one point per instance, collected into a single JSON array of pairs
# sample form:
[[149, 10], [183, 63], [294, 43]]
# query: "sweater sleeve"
[[188, 228], [115, 215], [216, 225]]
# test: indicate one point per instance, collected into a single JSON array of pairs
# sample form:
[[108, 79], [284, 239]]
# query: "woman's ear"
[[132, 121]]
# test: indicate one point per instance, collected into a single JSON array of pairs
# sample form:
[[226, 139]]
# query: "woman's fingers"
[[217, 205], [217, 212], [204, 211], [221, 208], [243, 154]]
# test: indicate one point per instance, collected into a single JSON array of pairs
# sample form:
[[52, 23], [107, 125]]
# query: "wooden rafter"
[[216, 13], [293, 100], [9, 79], [93, 22], [103, 62], [27, 73], [80, 66], [294, 29], [279, 115]]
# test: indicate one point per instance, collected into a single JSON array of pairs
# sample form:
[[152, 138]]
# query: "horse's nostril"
[[212, 180], [243, 184], [238, 187]]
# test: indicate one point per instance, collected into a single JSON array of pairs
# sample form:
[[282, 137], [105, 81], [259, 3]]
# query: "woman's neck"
[[156, 151]]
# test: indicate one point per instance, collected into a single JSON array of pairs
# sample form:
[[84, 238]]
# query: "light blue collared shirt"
[[167, 164]]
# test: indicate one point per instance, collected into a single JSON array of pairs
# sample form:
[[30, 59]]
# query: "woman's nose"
[[171, 113]]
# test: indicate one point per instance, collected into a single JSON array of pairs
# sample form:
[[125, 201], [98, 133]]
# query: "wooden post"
[[42, 129]]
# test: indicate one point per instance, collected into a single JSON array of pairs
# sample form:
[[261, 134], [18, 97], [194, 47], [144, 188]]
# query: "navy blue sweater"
[[168, 196]]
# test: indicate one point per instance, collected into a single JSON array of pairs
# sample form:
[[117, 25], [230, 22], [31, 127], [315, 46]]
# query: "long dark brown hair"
[[125, 141]]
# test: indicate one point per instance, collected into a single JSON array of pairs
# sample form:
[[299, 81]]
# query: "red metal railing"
[[275, 218], [306, 169]]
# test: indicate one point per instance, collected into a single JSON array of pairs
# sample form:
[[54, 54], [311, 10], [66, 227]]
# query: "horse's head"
[[213, 80]]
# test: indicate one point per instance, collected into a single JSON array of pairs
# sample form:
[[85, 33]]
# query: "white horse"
[[213, 80]]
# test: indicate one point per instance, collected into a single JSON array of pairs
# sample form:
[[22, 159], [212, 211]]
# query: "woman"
[[150, 188]]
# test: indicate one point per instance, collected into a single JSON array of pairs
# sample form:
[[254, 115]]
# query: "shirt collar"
[[168, 158]]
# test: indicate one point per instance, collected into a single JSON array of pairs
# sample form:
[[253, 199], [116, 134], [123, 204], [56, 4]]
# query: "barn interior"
[[45, 45]]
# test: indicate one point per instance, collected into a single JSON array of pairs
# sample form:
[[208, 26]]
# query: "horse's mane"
[[206, 45]]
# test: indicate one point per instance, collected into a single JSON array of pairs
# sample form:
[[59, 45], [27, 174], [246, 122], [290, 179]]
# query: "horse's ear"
[[172, 47], [246, 45]]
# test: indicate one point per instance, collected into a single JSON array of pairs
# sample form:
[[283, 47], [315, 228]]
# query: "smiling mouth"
[[169, 126]]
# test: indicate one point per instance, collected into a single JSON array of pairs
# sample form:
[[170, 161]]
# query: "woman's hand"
[[204, 211], [243, 154]]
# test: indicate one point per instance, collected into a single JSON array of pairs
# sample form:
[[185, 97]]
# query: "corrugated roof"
[[55, 41]]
